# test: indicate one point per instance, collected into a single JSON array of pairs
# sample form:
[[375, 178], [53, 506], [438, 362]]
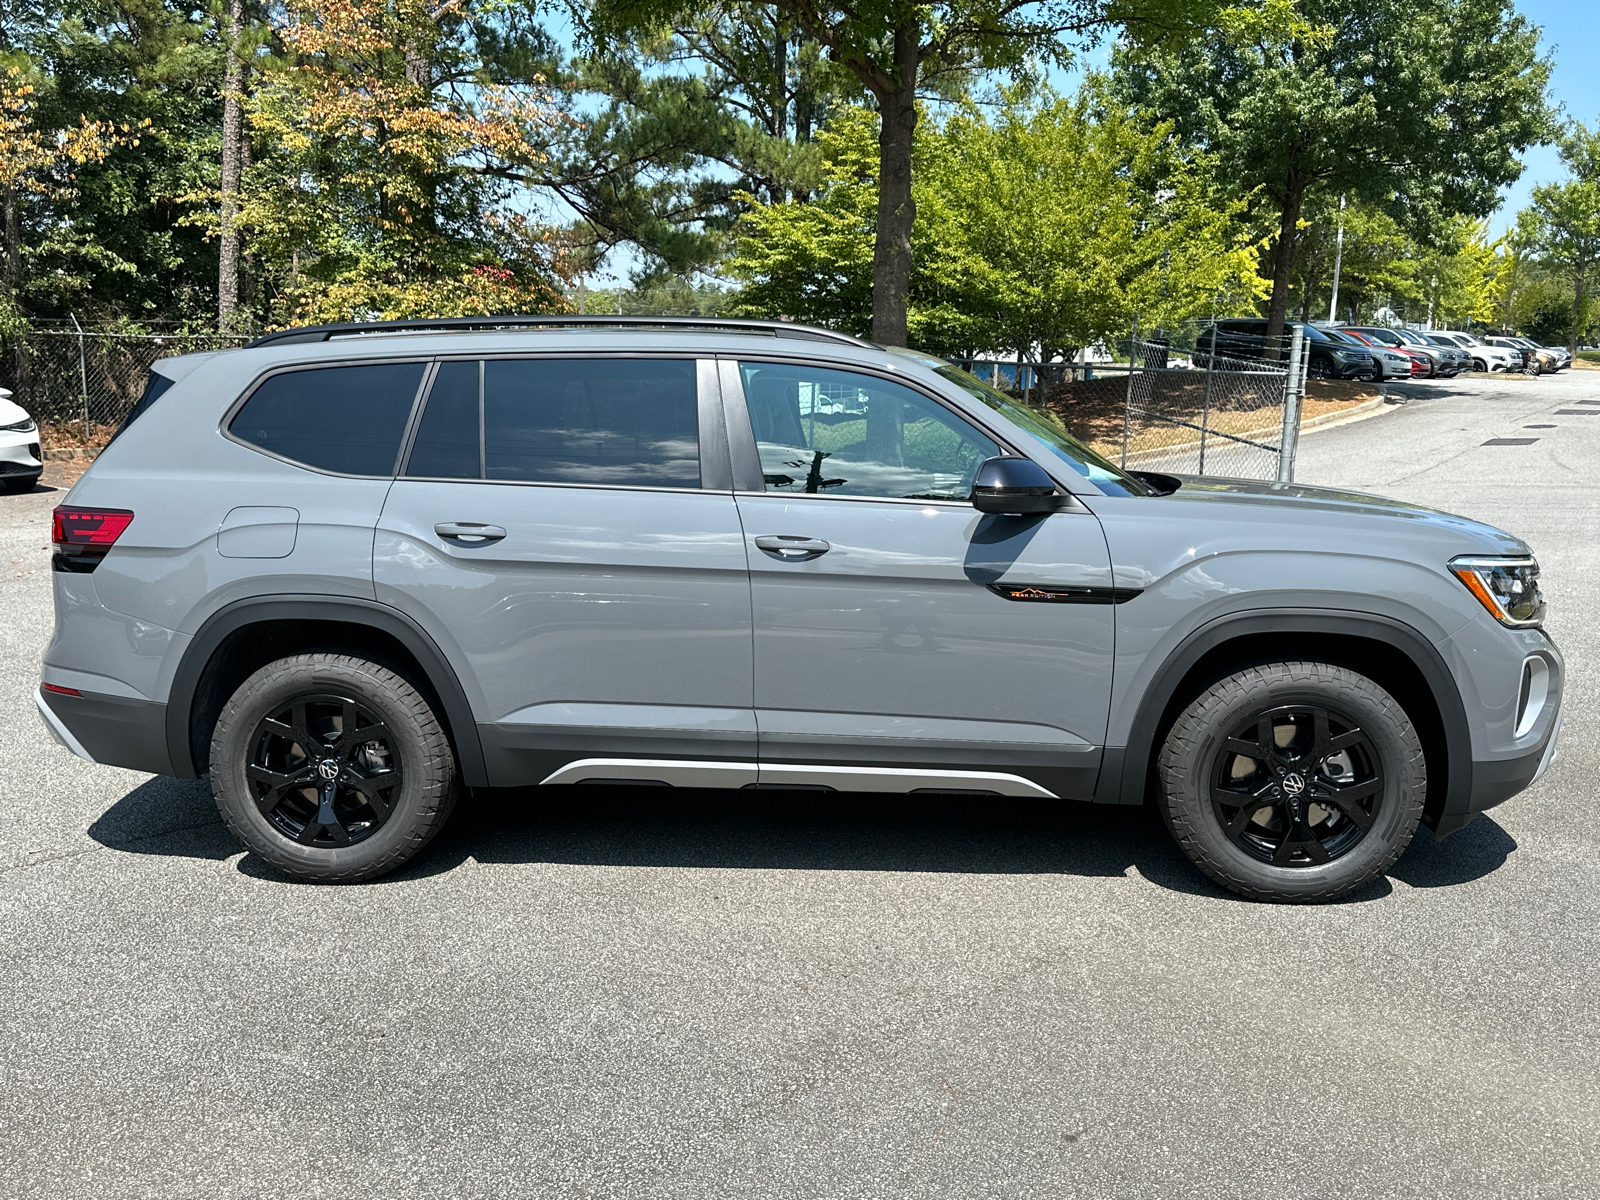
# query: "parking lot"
[[603, 994]]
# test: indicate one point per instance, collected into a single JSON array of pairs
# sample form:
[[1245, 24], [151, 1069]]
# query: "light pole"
[[1338, 261]]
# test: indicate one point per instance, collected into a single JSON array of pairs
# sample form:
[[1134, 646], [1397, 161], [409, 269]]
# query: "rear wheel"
[[332, 768], [1294, 782]]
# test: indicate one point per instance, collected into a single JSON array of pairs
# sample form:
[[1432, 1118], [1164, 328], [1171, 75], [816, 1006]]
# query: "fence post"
[[1127, 406], [1205, 411], [83, 376], [1291, 409]]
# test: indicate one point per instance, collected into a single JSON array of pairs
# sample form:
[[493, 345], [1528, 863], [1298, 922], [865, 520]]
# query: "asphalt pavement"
[[610, 996]]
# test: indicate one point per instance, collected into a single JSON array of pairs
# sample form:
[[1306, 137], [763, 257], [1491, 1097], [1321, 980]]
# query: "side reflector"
[[61, 691]]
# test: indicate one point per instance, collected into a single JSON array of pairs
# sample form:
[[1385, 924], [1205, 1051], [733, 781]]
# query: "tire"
[[1319, 368], [258, 758], [1479, 365], [1243, 847], [17, 484]]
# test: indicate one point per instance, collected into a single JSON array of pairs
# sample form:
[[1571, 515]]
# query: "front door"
[[565, 530], [897, 627]]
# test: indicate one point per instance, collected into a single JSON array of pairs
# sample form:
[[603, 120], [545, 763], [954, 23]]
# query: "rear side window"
[[618, 422], [344, 419]]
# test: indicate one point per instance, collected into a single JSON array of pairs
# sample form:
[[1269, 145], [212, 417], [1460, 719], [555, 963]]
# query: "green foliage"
[[1561, 227], [1054, 223], [1416, 108], [385, 189], [115, 244]]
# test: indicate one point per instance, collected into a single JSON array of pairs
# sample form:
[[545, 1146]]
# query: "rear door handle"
[[791, 547], [469, 533]]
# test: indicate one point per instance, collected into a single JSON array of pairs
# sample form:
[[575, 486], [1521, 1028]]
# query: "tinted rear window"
[[623, 422], [345, 419]]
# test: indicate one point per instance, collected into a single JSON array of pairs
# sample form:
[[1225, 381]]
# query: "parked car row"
[[1376, 353]]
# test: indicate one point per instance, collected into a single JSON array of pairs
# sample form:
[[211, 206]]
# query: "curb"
[[69, 452]]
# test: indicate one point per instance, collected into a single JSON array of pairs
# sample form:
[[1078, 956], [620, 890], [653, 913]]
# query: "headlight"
[[25, 425], [1507, 587]]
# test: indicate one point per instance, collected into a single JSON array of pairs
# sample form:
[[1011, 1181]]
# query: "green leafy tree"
[[1053, 224], [1562, 225], [893, 48], [388, 187], [116, 246], [1417, 107]]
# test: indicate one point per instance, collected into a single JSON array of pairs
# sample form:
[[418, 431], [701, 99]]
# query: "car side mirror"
[[1013, 487]]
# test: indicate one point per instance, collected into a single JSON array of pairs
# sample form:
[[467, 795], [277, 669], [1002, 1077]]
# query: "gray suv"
[[348, 571]]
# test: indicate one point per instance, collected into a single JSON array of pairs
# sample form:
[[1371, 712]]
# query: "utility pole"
[[1433, 290], [1338, 261]]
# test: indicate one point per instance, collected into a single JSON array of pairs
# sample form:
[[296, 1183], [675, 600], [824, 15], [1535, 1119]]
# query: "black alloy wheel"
[[1297, 782], [1297, 786], [1320, 368], [331, 767], [324, 770]]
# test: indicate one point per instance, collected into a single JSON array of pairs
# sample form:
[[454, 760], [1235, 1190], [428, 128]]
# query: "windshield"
[[1041, 425], [1338, 335]]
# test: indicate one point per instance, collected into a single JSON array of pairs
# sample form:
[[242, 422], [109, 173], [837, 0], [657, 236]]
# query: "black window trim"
[[709, 426], [426, 362]]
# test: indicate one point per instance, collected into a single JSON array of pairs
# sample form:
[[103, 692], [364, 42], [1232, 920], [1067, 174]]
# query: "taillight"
[[83, 536]]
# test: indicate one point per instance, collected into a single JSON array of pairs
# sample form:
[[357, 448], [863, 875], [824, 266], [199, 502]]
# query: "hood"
[[10, 412], [1300, 503]]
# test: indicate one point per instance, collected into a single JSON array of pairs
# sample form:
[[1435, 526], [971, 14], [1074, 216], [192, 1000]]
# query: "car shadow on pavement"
[[174, 817], [773, 830]]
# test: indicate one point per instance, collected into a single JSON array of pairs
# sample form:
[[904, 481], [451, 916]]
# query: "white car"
[[1484, 356], [20, 457]]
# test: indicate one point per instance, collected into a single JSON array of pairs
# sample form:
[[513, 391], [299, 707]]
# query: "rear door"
[[565, 529], [899, 633]]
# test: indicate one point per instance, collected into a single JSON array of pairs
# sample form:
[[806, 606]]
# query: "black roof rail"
[[324, 333]]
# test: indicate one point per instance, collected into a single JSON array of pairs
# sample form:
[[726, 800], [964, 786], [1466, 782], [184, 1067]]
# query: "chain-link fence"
[[80, 386], [1173, 401]]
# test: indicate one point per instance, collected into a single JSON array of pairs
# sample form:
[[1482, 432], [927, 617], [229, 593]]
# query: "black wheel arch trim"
[[1124, 781], [253, 610]]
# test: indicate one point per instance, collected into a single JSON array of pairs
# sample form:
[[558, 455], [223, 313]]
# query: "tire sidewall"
[[271, 689], [1188, 805]]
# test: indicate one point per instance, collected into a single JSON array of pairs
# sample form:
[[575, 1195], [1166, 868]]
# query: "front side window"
[[1044, 427], [837, 433], [344, 419], [622, 422]]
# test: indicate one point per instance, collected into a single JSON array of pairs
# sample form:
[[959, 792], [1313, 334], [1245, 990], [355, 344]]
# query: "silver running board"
[[678, 772]]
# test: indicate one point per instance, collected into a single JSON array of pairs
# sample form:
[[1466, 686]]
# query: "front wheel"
[[331, 768], [1319, 369], [1294, 782]]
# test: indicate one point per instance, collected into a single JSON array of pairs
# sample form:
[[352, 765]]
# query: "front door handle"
[[791, 547], [469, 533]]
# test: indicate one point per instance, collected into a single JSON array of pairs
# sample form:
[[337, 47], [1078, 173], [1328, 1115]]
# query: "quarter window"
[[837, 433], [345, 419]]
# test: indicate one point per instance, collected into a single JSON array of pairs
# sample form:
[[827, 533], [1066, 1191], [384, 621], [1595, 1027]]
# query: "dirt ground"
[[1093, 410]]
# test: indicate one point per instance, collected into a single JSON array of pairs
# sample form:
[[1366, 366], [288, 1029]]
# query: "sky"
[[1572, 38]]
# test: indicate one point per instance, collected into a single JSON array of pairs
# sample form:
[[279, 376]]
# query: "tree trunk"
[[1282, 265], [11, 240], [780, 73], [891, 255], [232, 161]]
